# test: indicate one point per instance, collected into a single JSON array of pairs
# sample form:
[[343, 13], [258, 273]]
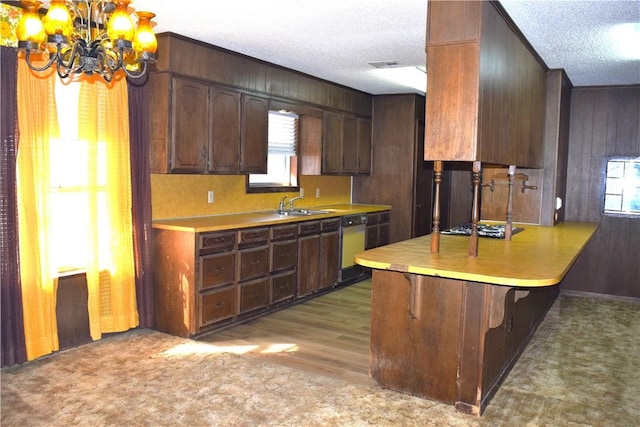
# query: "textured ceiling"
[[596, 42], [336, 40]]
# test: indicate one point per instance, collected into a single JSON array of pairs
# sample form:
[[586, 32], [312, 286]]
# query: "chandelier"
[[87, 36]]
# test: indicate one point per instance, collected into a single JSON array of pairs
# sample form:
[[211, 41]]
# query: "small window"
[[622, 186], [282, 160]]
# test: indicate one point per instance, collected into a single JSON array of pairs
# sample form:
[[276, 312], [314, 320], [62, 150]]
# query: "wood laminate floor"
[[328, 335]]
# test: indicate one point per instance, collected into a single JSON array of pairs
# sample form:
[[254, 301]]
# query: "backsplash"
[[175, 196]]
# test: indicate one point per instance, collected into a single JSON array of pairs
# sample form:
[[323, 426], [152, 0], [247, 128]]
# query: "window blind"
[[283, 133]]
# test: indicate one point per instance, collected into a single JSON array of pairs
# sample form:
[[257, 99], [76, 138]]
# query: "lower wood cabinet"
[[377, 230], [308, 257], [205, 281]]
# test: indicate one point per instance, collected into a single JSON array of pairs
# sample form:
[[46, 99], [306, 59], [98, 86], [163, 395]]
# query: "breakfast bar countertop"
[[261, 218], [537, 256]]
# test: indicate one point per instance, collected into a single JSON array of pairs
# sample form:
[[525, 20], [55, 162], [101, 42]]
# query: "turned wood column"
[[508, 227], [475, 211], [435, 233]]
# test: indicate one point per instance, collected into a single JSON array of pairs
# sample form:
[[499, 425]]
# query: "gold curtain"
[[104, 119], [103, 122], [38, 124]]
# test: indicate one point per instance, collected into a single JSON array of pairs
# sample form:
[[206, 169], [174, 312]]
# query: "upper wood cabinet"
[[346, 144], [486, 87], [197, 127], [224, 130], [254, 140]]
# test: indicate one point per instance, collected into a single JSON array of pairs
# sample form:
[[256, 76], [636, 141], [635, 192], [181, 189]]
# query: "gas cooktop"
[[495, 231]]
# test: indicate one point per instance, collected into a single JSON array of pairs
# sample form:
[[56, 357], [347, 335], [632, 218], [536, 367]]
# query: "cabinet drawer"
[[284, 254], [373, 218], [332, 224], [253, 262], [218, 269], [284, 232], [384, 217], [283, 286], [254, 295], [218, 305], [253, 235], [308, 227], [216, 242]]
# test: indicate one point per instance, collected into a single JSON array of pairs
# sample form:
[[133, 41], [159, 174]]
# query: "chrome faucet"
[[292, 200], [281, 205]]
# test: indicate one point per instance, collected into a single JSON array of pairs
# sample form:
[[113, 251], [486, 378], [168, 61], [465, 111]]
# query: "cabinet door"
[[329, 258], [254, 138], [332, 143], [349, 145], [364, 146], [308, 264], [224, 141], [371, 237], [189, 124]]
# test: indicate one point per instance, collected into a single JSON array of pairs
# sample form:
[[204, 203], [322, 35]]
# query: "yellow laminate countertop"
[[537, 256], [256, 219]]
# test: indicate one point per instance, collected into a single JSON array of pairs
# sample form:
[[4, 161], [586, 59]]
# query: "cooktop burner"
[[495, 231]]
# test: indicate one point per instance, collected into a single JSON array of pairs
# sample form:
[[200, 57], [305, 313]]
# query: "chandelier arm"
[[138, 74], [52, 57], [74, 63]]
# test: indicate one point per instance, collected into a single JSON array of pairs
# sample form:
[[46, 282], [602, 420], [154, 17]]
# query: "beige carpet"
[[582, 368]]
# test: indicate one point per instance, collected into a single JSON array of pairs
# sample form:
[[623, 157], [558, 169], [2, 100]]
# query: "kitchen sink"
[[300, 212]]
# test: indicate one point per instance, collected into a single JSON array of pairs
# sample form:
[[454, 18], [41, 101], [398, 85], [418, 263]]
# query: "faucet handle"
[[281, 205]]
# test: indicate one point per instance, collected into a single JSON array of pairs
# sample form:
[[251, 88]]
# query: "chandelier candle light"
[[88, 36]]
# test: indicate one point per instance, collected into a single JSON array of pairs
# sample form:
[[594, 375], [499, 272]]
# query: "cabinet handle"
[[419, 205], [255, 262]]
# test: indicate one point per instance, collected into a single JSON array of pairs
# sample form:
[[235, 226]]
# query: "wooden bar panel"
[[416, 356]]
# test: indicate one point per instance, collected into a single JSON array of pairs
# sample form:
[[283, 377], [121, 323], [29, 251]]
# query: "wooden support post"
[[475, 212], [435, 233], [509, 227]]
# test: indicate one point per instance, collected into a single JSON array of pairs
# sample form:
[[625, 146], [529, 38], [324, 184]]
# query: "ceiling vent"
[[385, 64]]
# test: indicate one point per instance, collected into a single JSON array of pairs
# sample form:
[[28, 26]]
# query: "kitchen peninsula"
[[449, 327]]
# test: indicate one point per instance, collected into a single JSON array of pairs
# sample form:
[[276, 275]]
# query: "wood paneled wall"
[[605, 122], [187, 57]]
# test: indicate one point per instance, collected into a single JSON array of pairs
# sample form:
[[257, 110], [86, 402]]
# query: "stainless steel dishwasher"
[[352, 238]]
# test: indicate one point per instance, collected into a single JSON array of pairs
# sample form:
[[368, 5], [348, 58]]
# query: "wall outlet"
[[210, 196], [317, 192], [301, 192]]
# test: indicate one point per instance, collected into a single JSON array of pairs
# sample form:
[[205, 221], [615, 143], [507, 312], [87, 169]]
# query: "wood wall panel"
[[192, 58], [604, 123]]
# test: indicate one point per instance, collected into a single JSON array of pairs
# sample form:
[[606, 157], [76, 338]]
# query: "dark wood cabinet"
[[254, 138], [346, 144], [308, 257], [209, 280], [486, 87], [332, 143], [377, 230], [197, 127], [329, 253], [224, 130]]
